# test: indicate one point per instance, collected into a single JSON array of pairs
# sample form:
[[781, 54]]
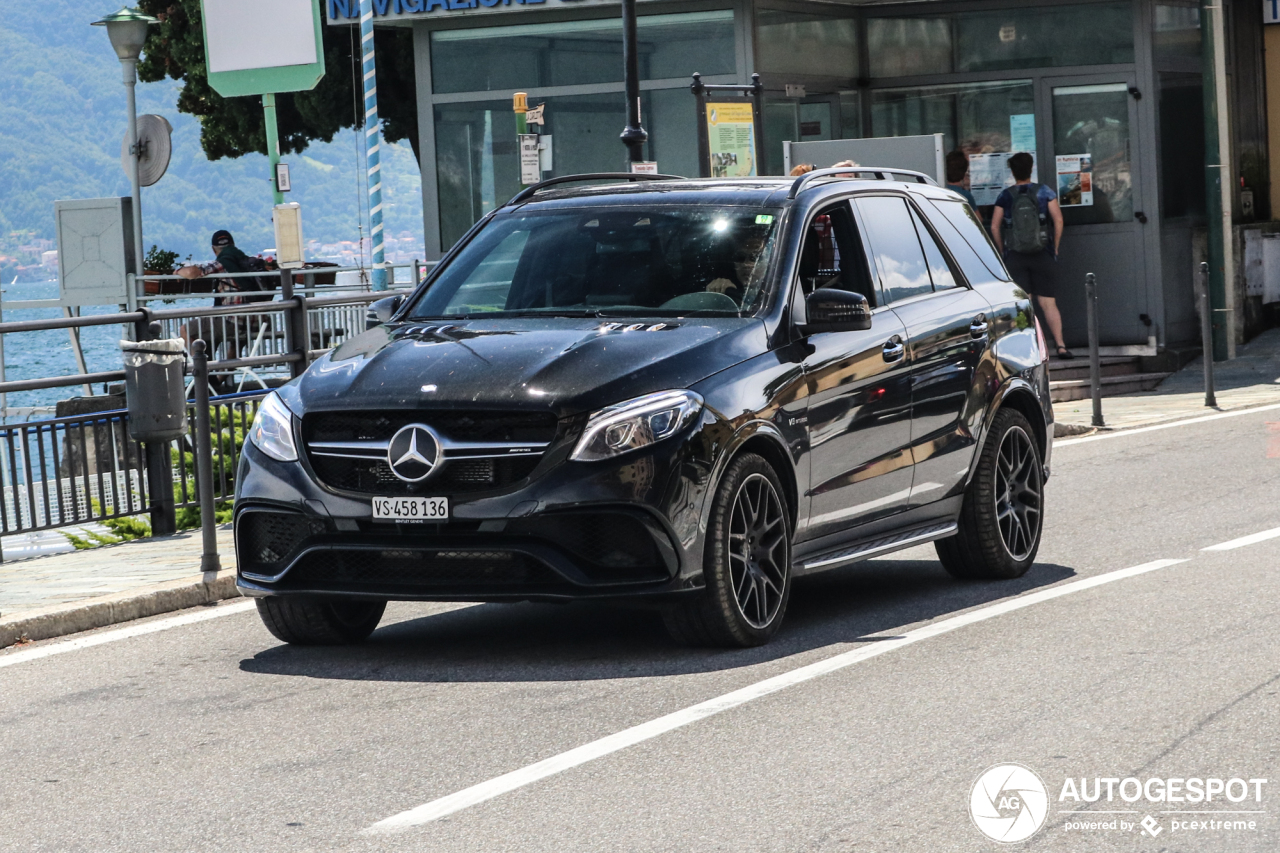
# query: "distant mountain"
[[62, 117]]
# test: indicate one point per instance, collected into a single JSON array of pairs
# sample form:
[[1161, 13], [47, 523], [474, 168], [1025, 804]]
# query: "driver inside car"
[[745, 255]]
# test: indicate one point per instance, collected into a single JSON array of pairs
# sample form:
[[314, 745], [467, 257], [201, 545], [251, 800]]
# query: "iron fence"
[[80, 469]]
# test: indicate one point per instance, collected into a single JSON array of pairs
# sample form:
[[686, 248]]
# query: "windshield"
[[641, 262]]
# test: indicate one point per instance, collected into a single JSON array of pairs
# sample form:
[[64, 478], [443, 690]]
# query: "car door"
[[947, 332], [859, 390]]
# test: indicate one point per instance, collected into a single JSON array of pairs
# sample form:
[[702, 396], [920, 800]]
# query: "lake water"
[[32, 355]]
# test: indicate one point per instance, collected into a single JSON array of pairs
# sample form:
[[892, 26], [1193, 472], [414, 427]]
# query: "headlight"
[[635, 424], [272, 430]]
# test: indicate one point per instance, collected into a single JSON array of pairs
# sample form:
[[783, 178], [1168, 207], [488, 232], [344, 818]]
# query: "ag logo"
[[1008, 803]]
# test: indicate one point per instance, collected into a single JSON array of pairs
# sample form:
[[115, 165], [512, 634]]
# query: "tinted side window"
[[939, 269], [966, 223], [892, 238], [832, 255]]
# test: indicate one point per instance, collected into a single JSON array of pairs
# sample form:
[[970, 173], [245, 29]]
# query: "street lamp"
[[633, 135], [127, 30]]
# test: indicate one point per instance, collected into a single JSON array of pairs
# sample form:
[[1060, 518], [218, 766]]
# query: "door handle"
[[894, 349], [1140, 216], [978, 327]]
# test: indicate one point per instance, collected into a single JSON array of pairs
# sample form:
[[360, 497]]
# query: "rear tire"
[[318, 621], [747, 563], [1003, 513]]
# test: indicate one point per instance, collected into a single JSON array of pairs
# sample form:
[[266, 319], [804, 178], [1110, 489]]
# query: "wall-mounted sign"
[[1271, 11], [344, 11], [530, 160]]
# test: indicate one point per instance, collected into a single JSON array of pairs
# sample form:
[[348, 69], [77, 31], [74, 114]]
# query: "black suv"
[[682, 391]]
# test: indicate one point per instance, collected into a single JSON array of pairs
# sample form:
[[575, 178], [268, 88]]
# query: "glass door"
[[1091, 165]]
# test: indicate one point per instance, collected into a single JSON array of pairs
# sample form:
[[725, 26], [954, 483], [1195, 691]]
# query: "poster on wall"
[[1022, 133], [989, 174], [1075, 180], [731, 139]]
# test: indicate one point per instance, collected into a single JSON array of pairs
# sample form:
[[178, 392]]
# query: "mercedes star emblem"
[[413, 453]]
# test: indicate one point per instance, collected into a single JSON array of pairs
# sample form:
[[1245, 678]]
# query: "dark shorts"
[[1037, 274]]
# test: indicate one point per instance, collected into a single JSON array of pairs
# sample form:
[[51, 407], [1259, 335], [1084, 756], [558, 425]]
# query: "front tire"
[[747, 563], [1003, 513], [318, 621]]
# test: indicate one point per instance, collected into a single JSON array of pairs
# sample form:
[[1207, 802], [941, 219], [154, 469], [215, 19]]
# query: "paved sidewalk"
[[1251, 379], [61, 593]]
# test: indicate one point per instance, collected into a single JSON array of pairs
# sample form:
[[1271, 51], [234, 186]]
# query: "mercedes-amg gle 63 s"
[[681, 392]]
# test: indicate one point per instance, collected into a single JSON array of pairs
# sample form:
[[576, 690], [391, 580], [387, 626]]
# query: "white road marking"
[[1122, 433], [476, 794], [24, 655], [1251, 539]]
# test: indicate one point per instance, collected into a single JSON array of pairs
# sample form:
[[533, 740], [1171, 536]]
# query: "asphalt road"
[[213, 736]]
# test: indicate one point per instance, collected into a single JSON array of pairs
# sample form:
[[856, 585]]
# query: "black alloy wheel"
[[1003, 512], [1019, 493], [757, 550], [746, 563]]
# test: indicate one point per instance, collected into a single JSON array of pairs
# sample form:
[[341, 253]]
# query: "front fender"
[[1029, 393]]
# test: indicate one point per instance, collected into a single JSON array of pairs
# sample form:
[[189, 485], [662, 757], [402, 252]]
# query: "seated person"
[[745, 256]]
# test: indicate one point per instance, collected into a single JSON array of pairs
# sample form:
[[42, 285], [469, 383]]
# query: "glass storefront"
[[567, 53], [477, 162], [998, 40], [977, 118], [1106, 95]]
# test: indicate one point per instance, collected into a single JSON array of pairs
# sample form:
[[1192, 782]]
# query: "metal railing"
[[85, 468]]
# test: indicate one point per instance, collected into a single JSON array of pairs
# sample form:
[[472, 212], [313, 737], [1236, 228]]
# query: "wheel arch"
[[762, 438], [1017, 394]]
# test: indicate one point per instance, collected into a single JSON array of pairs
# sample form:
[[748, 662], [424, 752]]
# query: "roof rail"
[[528, 191], [856, 172]]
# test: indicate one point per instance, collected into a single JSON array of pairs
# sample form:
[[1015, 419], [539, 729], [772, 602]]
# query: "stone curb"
[[118, 607], [1062, 429]]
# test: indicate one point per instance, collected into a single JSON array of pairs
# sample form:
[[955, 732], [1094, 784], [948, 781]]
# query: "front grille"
[[266, 541], [368, 472], [460, 426], [426, 569], [458, 476]]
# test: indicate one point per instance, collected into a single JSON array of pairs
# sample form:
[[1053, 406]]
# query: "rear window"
[[658, 261], [966, 226]]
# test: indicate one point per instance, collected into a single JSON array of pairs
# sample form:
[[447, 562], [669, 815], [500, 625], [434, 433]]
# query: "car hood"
[[566, 365]]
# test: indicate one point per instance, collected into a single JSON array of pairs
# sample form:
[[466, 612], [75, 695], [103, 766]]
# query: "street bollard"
[[209, 561], [1095, 360], [417, 272], [1206, 333]]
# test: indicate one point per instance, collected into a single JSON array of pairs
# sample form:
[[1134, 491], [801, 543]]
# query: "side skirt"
[[868, 548]]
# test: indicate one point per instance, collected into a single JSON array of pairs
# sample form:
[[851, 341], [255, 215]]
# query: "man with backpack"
[[235, 291], [1020, 226]]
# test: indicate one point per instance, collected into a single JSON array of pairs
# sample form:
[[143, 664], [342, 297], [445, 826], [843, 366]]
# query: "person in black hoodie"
[[227, 259]]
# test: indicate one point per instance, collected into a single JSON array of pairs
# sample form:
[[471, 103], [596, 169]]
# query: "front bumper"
[[617, 529]]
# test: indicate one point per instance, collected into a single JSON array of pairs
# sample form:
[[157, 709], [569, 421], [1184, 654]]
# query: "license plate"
[[411, 509]]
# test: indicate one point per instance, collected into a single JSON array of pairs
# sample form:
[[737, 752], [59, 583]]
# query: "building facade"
[[1116, 80]]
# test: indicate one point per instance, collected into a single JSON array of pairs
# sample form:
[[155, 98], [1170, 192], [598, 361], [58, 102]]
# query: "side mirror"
[[380, 312], [830, 310]]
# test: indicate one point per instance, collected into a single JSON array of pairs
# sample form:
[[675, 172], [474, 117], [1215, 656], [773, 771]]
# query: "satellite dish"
[[153, 138]]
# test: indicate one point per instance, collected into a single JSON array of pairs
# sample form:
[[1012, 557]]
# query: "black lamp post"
[[633, 135]]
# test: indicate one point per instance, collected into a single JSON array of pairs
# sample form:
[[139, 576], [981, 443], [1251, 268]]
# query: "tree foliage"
[[231, 127]]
